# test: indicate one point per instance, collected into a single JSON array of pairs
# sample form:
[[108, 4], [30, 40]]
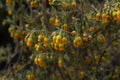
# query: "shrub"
[[63, 40]]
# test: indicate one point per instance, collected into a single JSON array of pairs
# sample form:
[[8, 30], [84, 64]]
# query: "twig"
[[28, 5], [23, 67], [99, 62]]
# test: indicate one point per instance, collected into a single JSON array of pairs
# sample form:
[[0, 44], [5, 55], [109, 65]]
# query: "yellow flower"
[[101, 38], [38, 47], [60, 62], [40, 38], [46, 40], [96, 58], [29, 41], [73, 5], [81, 74], [77, 41], [105, 18], [11, 29], [58, 39], [118, 15], [61, 47], [64, 40], [50, 2], [34, 4], [17, 34], [18, 67], [98, 16], [114, 14], [65, 27], [9, 12], [41, 62], [55, 46], [8, 1], [52, 20], [57, 22], [30, 77]]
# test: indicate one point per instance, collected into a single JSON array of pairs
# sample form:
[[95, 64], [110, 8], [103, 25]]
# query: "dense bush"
[[62, 40]]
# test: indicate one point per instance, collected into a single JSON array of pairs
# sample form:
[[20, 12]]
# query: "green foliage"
[[65, 41]]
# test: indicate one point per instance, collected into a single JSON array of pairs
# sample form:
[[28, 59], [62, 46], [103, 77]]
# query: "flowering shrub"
[[64, 41]]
